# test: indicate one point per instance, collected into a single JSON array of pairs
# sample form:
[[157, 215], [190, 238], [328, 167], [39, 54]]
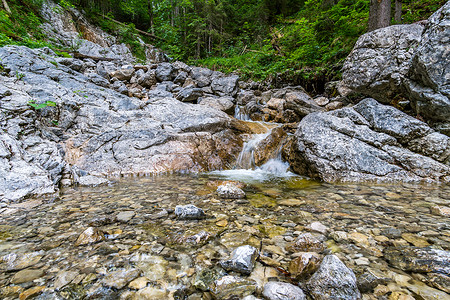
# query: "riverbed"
[[135, 217]]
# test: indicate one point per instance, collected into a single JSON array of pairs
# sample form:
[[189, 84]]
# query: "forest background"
[[299, 41]]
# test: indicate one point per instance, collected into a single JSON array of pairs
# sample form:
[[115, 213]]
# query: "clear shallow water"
[[172, 253]]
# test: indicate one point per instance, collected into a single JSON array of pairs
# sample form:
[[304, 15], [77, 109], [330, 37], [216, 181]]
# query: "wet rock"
[[151, 293], [138, 283], [306, 242], [364, 142], [27, 275], [333, 280], [230, 191], [305, 264], [63, 278], [120, 278], [318, 227], [369, 280], [441, 210], [31, 292], [282, 291], [89, 236], [242, 260], [415, 240], [206, 277], [420, 260], [125, 216], [153, 267], [189, 212], [230, 287], [15, 261], [322, 101]]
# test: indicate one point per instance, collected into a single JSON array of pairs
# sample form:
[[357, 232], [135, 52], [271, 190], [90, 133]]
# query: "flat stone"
[[151, 293], [441, 210], [138, 283], [232, 286], [359, 239], [27, 275], [125, 216], [415, 240], [63, 278], [21, 261], [31, 292], [120, 278], [282, 291]]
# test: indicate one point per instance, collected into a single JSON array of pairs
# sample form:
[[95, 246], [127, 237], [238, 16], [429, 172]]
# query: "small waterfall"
[[246, 170], [241, 114]]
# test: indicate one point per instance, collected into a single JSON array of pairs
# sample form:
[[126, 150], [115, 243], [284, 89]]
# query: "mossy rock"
[[261, 201]]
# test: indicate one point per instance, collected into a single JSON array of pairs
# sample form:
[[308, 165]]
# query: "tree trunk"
[[150, 14], [379, 14], [398, 11], [5, 5]]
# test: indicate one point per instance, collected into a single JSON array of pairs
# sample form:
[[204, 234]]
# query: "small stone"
[[441, 210], [306, 263], [415, 240], [333, 280], [306, 242], [318, 227], [369, 280], [27, 275], [10, 291], [189, 212], [228, 287], [63, 278], [362, 261], [151, 293], [222, 223], [322, 101], [31, 292], [230, 191], [359, 239], [21, 261], [125, 216], [282, 291], [291, 202], [89, 236], [339, 236], [242, 260], [120, 278]]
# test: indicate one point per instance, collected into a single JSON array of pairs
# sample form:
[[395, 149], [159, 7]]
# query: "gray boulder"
[[189, 94], [230, 191], [201, 76], [165, 72], [224, 104], [189, 212], [282, 291], [96, 129], [333, 280], [380, 61], [429, 76], [124, 73], [242, 260], [369, 141], [225, 86]]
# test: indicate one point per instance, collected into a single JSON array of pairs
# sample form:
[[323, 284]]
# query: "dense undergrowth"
[[300, 41]]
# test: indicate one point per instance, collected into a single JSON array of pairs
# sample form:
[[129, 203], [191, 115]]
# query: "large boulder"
[[429, 76], [405, 62], [369, 141], [90, 130], [380, 61]]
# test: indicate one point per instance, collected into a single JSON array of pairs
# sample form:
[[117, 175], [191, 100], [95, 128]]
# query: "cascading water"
[[246, 169]]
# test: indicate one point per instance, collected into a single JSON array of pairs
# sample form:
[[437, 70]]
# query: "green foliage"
[[38, 106]]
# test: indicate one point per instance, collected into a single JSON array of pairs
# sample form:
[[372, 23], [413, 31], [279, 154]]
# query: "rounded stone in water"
[[189, 212]]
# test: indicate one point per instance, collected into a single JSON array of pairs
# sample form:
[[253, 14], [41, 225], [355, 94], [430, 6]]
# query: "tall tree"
[[379, 14], [398, 11], [5, 5]]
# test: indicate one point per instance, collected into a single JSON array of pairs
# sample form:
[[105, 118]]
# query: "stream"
[[142, 251]]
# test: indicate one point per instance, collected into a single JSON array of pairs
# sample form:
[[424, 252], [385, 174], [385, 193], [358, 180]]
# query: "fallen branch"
[[138, 30]]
